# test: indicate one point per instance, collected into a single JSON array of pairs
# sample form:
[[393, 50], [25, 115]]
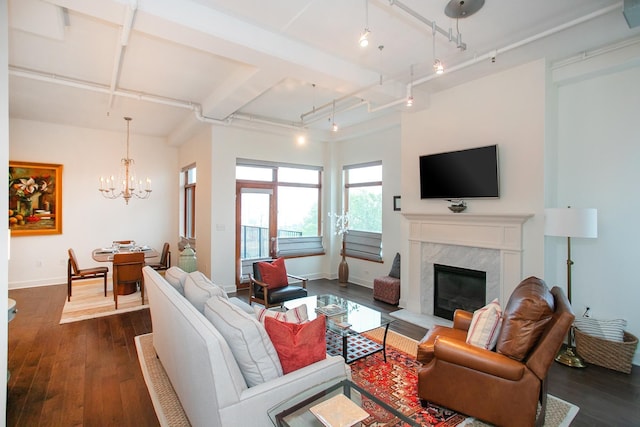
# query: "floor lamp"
[[568, 222]]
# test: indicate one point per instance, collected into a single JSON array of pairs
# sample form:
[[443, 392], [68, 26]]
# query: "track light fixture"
[[437, 64], [334, 126], [364, 36], [410, 90], [438, 67]]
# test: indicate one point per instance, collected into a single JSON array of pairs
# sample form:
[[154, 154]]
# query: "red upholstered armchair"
[[270, 284], [501, 387]]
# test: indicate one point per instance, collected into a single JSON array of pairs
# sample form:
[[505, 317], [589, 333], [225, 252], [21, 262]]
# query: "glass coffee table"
[[299, 410], [346, 321]]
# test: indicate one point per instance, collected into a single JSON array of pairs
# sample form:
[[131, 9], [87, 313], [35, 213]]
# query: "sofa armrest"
[[462, 319], [460, 353], [242, 305], [255, 402]]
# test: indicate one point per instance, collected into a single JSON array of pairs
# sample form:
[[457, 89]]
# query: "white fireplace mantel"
[[502, 232]]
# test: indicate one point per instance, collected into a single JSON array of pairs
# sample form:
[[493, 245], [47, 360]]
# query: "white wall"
[[89, 220], [198, 150], [506, 108], [385, 146], [597, 153], [4, 194]]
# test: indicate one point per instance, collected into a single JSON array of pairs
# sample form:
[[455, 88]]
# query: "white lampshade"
[[571, 222]]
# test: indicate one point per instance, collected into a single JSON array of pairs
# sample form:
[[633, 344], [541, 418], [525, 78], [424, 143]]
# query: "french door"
[[255, 227]]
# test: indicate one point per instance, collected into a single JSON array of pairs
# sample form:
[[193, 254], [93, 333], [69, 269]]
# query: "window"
[[295, 191], [363, 201], [189, 207]]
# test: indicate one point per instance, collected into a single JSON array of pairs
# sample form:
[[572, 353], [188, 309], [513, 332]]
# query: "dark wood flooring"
[[87, 373]]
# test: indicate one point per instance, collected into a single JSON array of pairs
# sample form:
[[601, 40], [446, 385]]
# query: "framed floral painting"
[[35, 198]]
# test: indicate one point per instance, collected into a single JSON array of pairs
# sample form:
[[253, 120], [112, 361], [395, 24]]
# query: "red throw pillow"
[[274, 273], [297, 345]]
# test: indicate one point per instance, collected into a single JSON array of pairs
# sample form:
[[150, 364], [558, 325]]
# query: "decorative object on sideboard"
[[127, 185], [567, 222], [342, 228], [187, 259], [35, 198], [457, 206]]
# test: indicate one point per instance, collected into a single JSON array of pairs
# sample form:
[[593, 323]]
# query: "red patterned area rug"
[[396, 383]]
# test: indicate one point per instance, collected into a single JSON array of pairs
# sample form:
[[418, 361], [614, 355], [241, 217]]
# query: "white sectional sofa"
[[204, 371]]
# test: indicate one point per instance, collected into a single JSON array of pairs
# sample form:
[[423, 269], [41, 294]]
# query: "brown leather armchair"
[[502, 387]]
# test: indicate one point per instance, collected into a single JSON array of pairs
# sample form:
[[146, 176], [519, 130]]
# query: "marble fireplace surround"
[[485, 242]]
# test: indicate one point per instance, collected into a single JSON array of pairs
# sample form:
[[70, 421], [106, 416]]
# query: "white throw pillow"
[[612, 330], [198, 289], [485, 326], [176, 277], [295, 315], [249, 342]]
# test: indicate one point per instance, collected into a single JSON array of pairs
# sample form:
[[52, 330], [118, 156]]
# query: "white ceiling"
[[276, 63]]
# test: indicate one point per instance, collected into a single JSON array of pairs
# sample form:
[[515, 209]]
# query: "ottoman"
[[386, 289]]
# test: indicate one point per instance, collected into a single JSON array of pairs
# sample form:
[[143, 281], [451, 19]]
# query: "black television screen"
[[471, 173]]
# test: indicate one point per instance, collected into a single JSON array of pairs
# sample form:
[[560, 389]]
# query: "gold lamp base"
[[567, 357]]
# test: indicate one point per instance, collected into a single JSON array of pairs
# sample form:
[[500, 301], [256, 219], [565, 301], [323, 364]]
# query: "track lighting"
[[438, 67], [334, 126], [409, 101], [437, 64], [410, 90], [364, 36]]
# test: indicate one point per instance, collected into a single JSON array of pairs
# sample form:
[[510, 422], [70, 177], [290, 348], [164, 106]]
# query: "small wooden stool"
[[386, 289]]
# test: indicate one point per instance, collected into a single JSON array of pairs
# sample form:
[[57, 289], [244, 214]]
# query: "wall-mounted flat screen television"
[[471, 173]]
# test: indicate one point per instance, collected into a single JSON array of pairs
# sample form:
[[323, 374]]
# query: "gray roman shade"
[[297, 246], [363, 244]]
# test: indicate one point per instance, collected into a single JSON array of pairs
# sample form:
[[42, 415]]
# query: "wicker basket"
[[610, 354]]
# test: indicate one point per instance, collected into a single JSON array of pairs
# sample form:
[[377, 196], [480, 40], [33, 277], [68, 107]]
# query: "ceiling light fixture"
[[126, 180], [410, 90], [437, 64], [364, 36], [334, 126]]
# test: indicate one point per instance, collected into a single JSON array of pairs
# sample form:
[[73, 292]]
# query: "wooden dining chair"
[[165, 259], [76, 273], [127, 270]]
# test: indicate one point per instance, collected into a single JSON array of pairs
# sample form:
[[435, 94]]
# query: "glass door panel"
[[255, 229]]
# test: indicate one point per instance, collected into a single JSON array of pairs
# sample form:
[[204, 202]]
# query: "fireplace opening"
[[458, 288]]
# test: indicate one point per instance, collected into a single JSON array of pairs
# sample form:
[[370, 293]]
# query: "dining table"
[[106, 255]]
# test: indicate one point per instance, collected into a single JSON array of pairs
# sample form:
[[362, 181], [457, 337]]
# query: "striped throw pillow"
[[295, 315], [612, 330], [485, 326]]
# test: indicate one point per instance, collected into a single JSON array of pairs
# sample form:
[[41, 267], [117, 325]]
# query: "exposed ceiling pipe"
[[494, 53], [202, 118], [388, 105], [337, 111], [80, 84], [196, 108], [255, 119], [127, 25], [535, 37]]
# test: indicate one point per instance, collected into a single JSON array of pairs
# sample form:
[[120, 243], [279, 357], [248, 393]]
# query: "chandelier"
[[126, 185]]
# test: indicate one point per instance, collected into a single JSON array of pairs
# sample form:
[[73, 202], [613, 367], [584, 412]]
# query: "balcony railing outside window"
[[255, 240]]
